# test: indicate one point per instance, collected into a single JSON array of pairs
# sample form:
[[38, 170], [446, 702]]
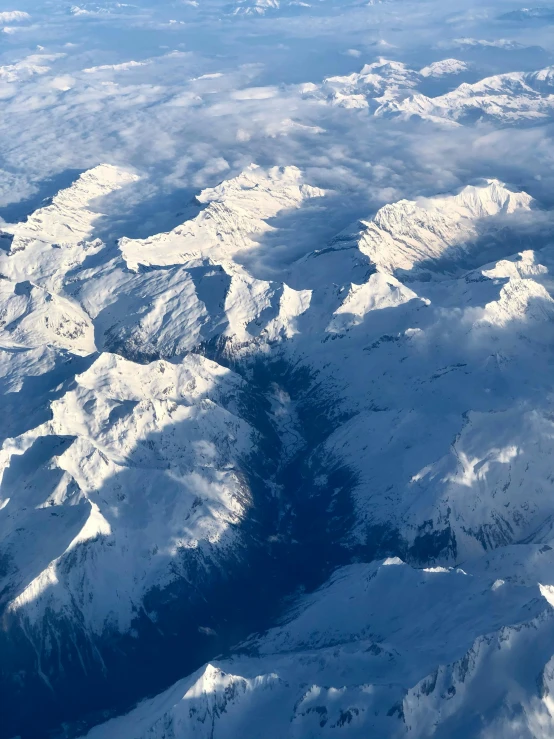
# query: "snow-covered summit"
[[237, 211], [412, 235], [381, 79], [514, 97], [69, 217], [443, 68], [141, 464]]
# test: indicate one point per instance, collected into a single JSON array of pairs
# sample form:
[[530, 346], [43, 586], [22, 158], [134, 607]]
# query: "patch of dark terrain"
[[286, 543], [430, 546], [316, 511], [296, 533], [319, 514], [6, 240]]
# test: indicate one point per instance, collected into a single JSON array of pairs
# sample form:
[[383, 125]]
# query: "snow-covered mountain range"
[[276, 330], [351, 461], [449, 91]]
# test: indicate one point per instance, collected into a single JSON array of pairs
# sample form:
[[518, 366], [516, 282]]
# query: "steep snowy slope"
[[348, 662], [137, 464], [68, 218], [510, 98], [236, 213], [54, 240], [413, 236], [377, 82], [201, 435]]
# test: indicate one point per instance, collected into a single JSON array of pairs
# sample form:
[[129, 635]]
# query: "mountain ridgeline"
[[325, 477]]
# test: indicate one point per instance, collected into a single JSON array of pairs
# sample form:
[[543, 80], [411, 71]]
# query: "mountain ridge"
[[269, 416]]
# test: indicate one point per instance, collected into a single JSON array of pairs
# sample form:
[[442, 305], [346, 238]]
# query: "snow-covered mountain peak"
[[365, 89], [443, 68], [523, 265], [511, 97], [68, 218], [125, 446], [385, 67], [380, 291], [522, 299], [32, 317], [194, 378], [237, 210], [262, 193], [56, 238], [406, 234]]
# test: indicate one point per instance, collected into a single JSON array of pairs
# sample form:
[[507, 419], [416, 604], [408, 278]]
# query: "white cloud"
[[115, 67], [13, 16], [188, 111]]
